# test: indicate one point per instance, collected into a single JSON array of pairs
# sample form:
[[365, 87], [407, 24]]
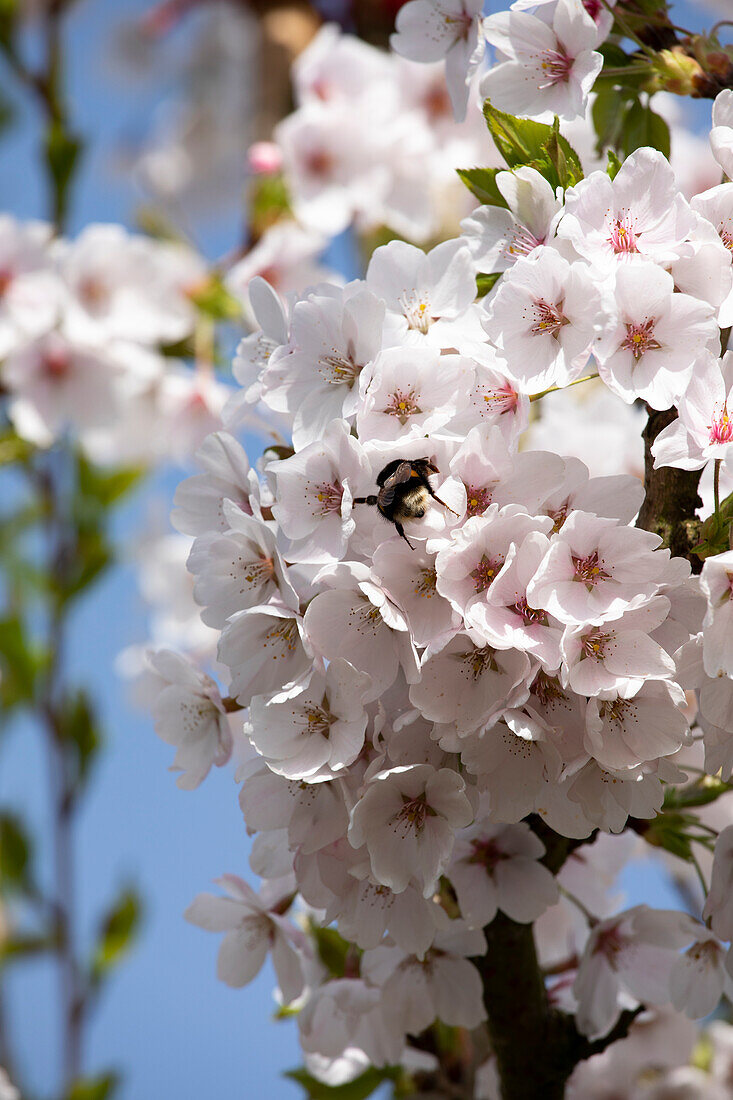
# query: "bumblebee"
[[404, 492]]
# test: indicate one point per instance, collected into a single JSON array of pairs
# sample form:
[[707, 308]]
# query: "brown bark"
[[671, 496]]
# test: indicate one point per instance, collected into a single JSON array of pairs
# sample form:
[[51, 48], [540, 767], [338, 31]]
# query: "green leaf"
[[15, 853], [614, 164], [62, 151], [485, 283], [358, 1089], [13, 448], [524, 142], [79, 736], [100, 1087], [609, 108], [333, 949], [116, 933], [20, 663], [481, 182], [642, 126], [104, 487], [269, 202]]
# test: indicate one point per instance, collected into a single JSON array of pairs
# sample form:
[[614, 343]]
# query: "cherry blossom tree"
[[464, 676]]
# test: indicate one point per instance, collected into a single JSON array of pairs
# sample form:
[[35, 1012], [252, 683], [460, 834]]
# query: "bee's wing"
[[402, 473]]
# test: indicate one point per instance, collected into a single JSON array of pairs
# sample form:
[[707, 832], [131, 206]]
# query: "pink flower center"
[[726, 237], [548, 319], [487, 853], [402, 405], [339, 369], [319, 163], [594, 645], [522, 242], [558, 518], [56, 364], [501, 399], [640, 339], [721, 426], [529, 614], [546, 689], [594, 8], [623, 235], [260, 571], [610, 942], [327, 498], [590, 571], [477, 500], [556, 68], [6, 278], [411, 818], [485, 573]]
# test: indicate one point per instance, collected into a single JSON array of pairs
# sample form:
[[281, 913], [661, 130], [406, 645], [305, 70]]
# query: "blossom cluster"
[[513, 645], [433, 641], [84, 327]]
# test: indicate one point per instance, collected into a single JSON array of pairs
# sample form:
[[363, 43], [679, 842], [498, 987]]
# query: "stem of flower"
[[556, 389], [716, 484]]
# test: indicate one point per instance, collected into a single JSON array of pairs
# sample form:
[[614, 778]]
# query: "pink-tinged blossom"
[[506, 620], [706, 272], [622, 733], [358, 621], [657, 339], [467, 686], [238, 568], [189, 407], [699, 977], [721, 135], [433, 30], [313, 814], [495, 399], [704, 427], [485, 471], [410, 391], [498, 237], [410, 578], [513, 768], [608, 799], [443, 985], [263, 649], [346, 1014], [719, 904], [253, 927], [188, 713], [543, 319], [199, 500], [717, 639], [595, 10], [639, 213], [128, 287], [596, 569], [254, 351], [617, 656], [314, 491], [315, 377], [471, 562], [30, 289], [336, 879], [315, 734], [630, 954], [542, 67], [56, 385], [497, 867], [407, 817], [426, 294], [618, 496], [716, 207]]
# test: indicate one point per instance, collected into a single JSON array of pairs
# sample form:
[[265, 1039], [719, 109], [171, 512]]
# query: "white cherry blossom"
[[721, 135], [542, 67], [406, 817]]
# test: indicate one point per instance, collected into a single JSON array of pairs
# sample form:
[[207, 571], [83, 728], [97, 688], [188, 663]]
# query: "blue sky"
[[164, 1020]]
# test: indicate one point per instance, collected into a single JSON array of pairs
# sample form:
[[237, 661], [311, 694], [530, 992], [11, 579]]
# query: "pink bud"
[[264, 158]]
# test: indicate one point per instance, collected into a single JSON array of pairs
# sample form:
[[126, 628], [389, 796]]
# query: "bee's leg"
[[401, 532], [441, 501]]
